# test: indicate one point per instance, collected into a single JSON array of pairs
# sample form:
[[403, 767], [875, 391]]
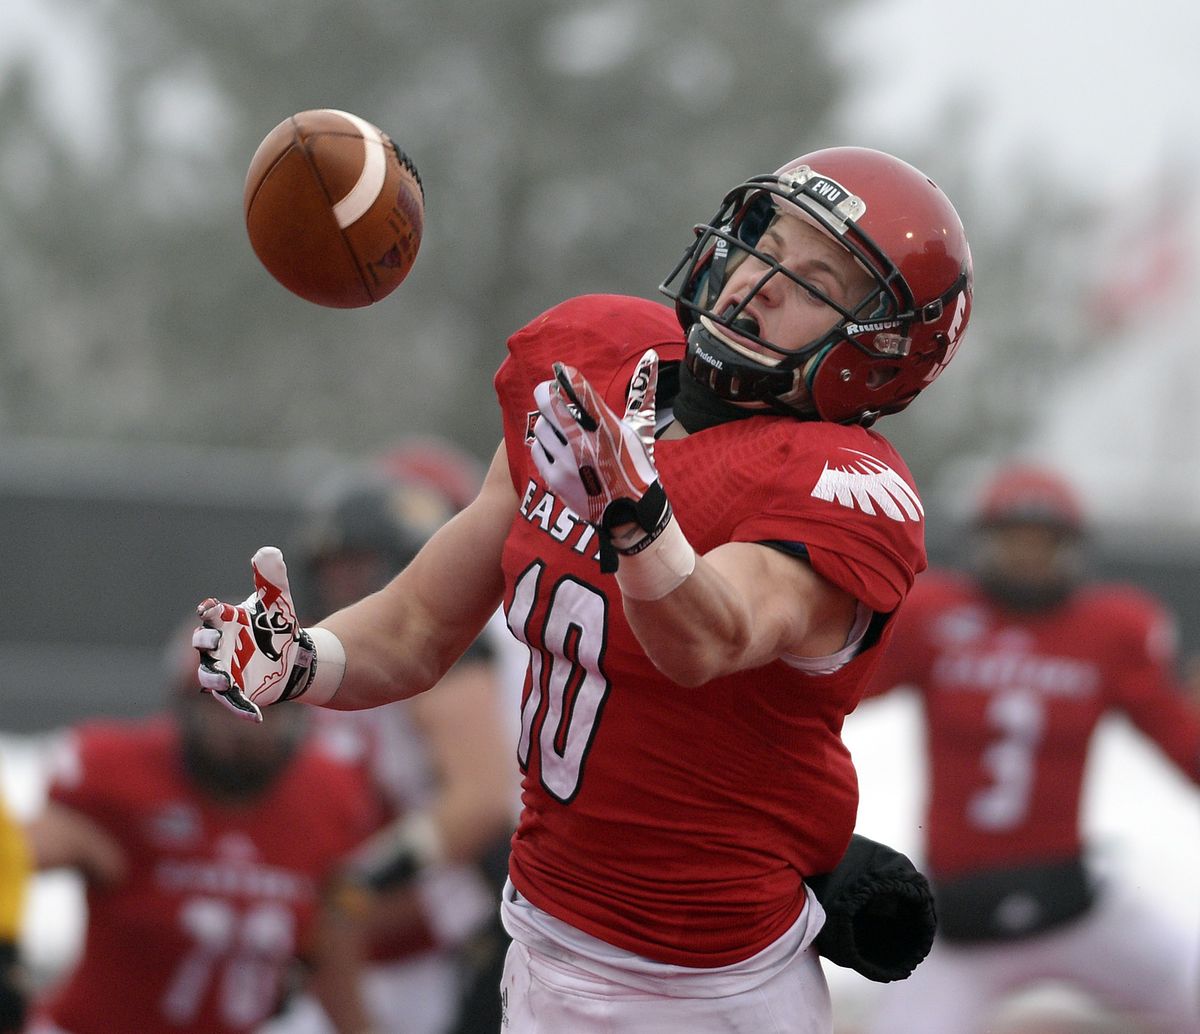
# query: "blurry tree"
[[564, 148], [1028, 238]]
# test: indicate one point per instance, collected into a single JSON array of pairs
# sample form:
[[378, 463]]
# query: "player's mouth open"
[[738, 330], [742, 323]]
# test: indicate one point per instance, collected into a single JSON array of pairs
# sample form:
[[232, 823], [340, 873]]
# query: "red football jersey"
[[219, 898], [1011, 701], [679, 823]]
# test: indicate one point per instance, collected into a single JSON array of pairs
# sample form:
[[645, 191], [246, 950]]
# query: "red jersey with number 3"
[[1011, 701], [218, 900], [679, 823]]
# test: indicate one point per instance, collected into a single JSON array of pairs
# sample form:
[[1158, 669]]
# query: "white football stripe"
[[370, 181]]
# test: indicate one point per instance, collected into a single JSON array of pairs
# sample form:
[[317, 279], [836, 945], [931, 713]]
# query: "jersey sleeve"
[[602, 335], [847, 497], [905, 659], [1142, 636], [85, 764]]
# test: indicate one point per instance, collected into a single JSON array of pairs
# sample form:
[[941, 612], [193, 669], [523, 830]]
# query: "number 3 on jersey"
[[566, 672]]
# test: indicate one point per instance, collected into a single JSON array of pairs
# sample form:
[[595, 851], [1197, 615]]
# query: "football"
[[334, 209]]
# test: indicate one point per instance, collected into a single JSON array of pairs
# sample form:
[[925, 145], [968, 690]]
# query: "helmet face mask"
[[881, 349]]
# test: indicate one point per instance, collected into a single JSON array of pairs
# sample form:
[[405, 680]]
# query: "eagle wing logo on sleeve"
[[869, 485]]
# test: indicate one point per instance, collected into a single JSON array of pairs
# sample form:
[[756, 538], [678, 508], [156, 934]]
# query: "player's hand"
[[256, 653], [599, 464]]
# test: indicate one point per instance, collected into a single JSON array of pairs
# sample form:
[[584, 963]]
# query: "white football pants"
[[544, 995]]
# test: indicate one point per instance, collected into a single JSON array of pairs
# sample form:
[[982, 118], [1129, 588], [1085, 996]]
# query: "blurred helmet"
[[438, 464], [360, 536], [1029, 527], [899, 227], [1028, 494]]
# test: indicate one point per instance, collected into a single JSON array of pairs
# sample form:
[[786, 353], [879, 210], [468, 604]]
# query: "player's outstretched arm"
[[743, 606], [61, 837], [739, 606], [393, 644], [401, 640]]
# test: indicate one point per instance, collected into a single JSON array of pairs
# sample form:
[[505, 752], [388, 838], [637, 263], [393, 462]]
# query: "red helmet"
[[1029, 494], [899, 227], [437, 463]]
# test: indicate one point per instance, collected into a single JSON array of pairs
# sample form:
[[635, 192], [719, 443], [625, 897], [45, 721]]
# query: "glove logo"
[[591, 480], [266, 625]]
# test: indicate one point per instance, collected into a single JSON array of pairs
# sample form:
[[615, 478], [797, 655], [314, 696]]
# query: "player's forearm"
[[743, 605], [60, 837], [390, 653], [400, 641], [697, 632]]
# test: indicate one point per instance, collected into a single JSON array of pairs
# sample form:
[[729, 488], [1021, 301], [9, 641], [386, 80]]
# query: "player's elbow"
[[691, 668]]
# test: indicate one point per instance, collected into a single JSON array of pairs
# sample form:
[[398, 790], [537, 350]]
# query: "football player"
[[697, 533], [441, 763], [1016, 660], [209, 848]]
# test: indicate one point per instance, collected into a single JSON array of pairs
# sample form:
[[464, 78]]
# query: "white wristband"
[[330, 658], [658, 569]]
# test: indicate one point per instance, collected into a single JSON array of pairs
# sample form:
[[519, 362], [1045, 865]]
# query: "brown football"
[[334, 209]]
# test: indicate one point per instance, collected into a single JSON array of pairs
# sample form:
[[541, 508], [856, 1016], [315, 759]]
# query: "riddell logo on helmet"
[[712, 360], [871, 328]]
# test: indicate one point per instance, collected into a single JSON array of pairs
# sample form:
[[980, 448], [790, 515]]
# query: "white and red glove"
[[599, 464], [602, 467], [256, 653]]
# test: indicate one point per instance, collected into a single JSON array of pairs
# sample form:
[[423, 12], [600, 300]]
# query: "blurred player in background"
[[696, 639], [441, 763], [14, 879], [208, 847], [1016, 661]]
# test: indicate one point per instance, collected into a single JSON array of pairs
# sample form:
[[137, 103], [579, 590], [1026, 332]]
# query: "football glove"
[[879, 912], [599, 464], [256, 653]]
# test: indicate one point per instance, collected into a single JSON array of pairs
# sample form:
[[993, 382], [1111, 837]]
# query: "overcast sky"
[[1099, 92]]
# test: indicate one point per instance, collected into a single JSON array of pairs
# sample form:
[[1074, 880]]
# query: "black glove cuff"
[[651, 513], [304, 668], [387, 873]]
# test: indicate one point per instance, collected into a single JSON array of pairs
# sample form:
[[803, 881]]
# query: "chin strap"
[[697, 407]]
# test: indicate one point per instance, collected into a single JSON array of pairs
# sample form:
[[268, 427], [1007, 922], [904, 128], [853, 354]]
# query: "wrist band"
[[329, 665], [659, 567]]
